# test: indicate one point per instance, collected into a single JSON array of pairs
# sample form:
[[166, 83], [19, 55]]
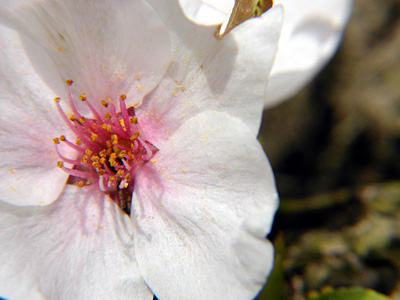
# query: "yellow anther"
[[127, 176], [107, 115], [102, 153], [88, 152], [113, 159], [111, 178], [126, 185], [120, 173], [101, 172], [93, 137], [116, 150], [69, 82], [78, 141], [106, 127], [80, 184], [114, 139], [102, 160], [82, 119], [60, 164], [95, 158], [133, 120], [84, 159], [104, 103], [135, 135], [96, 165], [57, 99], [56, 141], [72, 118], [62, 138], [108, 144], [82, 97], [122, 97], [122, 154]]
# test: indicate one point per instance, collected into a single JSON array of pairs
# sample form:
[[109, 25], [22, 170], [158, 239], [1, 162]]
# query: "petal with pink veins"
[[201, 210], [79, 247], [227, 74], [107, 49], [28, 122]]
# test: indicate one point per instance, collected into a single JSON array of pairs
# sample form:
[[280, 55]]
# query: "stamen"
[[115, 121], [69, 82], [124, 113], [77, 132], [72, 145], [126, 165], [104, 103], [135, 135], [78, 173], [148, 151], [123, 147], [69, 161], [133, 120], [110, 149], [93, 110]]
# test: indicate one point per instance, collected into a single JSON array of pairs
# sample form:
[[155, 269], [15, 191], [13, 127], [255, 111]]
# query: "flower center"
[[109, 148]]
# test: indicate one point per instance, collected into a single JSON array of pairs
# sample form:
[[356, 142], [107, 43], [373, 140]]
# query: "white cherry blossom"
[[311, 33], [161, 124]]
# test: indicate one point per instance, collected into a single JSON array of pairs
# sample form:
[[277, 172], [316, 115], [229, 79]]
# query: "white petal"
[[28, 122], [80, 247], [201, 211], [207, 12], [311, 32], [107, 49], [310, 35], [224, 75]]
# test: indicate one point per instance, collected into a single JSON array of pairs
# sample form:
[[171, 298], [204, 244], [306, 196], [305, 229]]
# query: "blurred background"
[[335, 151]]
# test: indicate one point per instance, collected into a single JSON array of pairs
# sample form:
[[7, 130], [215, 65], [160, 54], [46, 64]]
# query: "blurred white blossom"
[[311, 33]]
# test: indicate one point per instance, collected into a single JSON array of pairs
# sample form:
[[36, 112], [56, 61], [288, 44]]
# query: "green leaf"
[[356, 293]]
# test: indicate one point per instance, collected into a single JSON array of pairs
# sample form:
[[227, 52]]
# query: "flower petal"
[[227, 74], [207, 12], [106, 49], [80, 247], [28, 122], [201, 211], [311, 33]]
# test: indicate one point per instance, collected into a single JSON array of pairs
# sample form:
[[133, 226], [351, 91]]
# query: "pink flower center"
[[109, 148]]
